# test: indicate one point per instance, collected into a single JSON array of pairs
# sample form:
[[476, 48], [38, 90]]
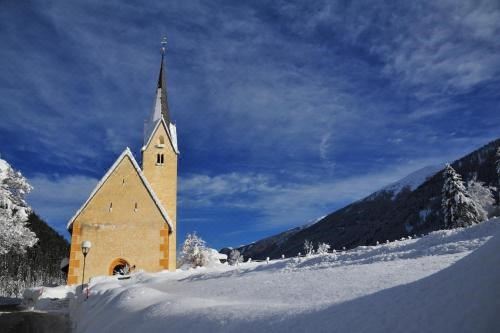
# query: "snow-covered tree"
[[308, 247], [459, 209], [234, 257], [15, 236], [497, 164], [323, 248], [497, 161], [196, 253], [481, 194], [193, 251]]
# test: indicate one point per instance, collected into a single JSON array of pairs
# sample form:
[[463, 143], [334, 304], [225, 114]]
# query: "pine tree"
[[458, 207], [497, 163], [14, 234]]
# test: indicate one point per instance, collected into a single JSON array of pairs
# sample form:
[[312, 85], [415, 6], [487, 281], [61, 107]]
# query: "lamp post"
[[86, 245]]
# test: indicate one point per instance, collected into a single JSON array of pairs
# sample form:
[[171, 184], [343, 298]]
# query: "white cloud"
[[324, 146], [432, 48]]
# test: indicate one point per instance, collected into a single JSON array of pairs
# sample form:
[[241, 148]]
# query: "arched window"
[[161, 140], [160, 159], [135, 207], [110, 206], [119, 266]]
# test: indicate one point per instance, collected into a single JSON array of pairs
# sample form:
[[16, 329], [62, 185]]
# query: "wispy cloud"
[[296, 97], [284, 203]]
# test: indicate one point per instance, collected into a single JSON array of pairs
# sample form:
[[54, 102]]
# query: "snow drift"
[[414, 285]]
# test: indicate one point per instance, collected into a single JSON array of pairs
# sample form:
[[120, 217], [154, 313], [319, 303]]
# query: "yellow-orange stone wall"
[[139, 236], [163, 180]]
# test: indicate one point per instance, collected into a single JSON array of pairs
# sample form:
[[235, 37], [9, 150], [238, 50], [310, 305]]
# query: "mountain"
[[407, 207], [412, 181]]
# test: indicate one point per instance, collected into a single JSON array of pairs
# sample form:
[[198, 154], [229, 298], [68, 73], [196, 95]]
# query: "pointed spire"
[[160, 109], [161, 86]]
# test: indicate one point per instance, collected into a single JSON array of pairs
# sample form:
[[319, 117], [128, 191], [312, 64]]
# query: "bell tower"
[[159, 159]]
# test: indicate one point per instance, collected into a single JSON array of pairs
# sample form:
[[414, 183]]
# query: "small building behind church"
[[130, 216]]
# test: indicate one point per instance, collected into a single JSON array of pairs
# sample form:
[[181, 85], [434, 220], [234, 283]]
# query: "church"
[[130, 216]]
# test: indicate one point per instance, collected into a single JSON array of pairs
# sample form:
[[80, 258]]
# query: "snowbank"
[[413, 285], [50, 299]]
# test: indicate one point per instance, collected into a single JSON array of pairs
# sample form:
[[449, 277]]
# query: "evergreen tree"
[[458, 207], [497, 161], [14, 211], [497, 164]]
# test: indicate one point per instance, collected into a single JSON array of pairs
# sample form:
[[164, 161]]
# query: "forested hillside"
[[30, 250], [389, 214], [39, 266]]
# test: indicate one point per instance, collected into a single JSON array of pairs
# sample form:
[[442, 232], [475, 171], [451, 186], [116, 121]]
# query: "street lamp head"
[[86, 245]]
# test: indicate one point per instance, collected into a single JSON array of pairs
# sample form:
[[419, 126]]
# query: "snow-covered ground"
[[414, 285], [413, 180]]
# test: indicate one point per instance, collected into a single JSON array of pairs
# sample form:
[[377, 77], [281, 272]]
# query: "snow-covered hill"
[[413, 180], [414, 285], [411, 205]]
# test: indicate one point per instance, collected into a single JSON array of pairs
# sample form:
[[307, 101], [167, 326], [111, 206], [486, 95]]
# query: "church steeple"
[[160, 110], [162, 86], [159, 159]]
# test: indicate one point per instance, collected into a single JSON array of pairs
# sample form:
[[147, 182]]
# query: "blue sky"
[[285, 110]]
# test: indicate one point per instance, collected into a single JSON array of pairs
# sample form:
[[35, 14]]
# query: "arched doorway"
[[119, 267]]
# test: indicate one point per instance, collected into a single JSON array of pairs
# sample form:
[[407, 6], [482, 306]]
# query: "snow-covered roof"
[[171, 133], [126, 153]]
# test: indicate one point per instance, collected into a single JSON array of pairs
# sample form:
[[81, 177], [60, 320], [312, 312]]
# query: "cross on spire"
[[163, 45]]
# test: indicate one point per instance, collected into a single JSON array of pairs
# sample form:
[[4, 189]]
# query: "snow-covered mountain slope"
[[413, 285], [270, 242], [411, 205], [413, 180]]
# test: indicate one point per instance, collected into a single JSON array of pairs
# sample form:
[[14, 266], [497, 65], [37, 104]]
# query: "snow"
[[431, 284], [151, 123], [48, 299], [171, 132], [413, 180], [4, 167], [173, 135], [14, 211]]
